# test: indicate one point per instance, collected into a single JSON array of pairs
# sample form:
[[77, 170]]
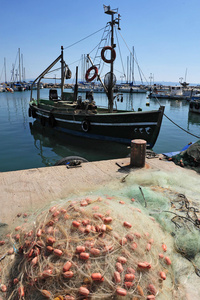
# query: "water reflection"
[[193, 118], [51, 146]]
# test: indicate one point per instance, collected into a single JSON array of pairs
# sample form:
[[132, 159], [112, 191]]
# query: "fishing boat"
[[81, 117]]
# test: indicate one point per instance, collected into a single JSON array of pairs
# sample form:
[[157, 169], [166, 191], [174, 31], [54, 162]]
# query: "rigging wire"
[[133, 57], [83, 38], [102, 38], [120, 52], [198, 137], [124, 71], [157, 98]]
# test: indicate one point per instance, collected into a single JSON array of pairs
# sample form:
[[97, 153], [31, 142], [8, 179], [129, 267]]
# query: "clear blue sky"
[[165, 34]]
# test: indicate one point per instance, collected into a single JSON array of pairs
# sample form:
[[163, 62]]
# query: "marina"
[[26, 144], [99, 180]]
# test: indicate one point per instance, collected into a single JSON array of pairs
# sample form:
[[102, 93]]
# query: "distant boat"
[[171, 92], [69, 113], [17, 86], [195, 104], [130, 88], [2, 89]]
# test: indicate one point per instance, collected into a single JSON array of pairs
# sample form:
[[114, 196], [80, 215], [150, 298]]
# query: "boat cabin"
[[53, 94]]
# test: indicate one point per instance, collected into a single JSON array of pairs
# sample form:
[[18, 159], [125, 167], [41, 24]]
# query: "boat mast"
[[62, 73], [110, 90], [19, 67], [133, 75], [5, 69], [108, 11]]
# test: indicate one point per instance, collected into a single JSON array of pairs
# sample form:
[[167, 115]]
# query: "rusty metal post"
[[138, 153]]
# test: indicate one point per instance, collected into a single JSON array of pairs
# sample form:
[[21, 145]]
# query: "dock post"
[[138, 153]]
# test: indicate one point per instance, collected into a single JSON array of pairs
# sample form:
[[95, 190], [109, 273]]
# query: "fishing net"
[[91, 248], [189, 157], [139, 241]]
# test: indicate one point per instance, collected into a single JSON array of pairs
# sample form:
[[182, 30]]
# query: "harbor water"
[[25, 144]]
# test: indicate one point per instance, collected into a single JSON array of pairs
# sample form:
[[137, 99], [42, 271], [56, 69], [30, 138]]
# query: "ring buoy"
[[88, 72], [52, 121], [85, 125], [113, 54]]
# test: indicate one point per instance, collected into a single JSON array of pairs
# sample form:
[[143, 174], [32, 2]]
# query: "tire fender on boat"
[[43, 121], [191, 105], [29, 112], [85, 125], [52, 121], [196, 106], [113, 54], [87, 78], [34, 115]]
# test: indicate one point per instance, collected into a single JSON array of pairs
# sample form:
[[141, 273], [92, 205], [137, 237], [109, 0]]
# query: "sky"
[[164, 34]]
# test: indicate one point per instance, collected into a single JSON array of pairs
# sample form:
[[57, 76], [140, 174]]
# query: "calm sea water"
[[24, 145]]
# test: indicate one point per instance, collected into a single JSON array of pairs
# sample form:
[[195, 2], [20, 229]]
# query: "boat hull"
[[194, 106], [118, 127]]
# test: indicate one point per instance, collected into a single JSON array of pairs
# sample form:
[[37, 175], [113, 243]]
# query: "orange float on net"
[[164, 247], [67, 266], [94, 251], [129, 277], [122, 259], [68, 274], [167, 260], [84, 291], [57, 252], [144, 265], [117, 277], [113, 54], [127, 224], [96, 277], [163, 275], [128, 284], [84, 255], [80, 249], [87, 78], [121, 291]]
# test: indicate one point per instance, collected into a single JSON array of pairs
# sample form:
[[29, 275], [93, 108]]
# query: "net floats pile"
[[100, 248]]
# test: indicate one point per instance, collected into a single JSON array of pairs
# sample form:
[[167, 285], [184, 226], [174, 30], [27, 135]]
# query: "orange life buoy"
[[113, 54], [88, 72]]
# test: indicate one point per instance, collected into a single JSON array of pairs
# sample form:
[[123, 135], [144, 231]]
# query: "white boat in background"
[[129, 88], [2, 89], [88, 87], [172, 92]]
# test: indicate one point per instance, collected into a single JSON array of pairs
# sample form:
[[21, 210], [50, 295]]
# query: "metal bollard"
[[138, 153]]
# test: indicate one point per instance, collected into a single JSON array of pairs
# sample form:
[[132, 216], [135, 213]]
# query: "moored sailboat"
[[69, 113]]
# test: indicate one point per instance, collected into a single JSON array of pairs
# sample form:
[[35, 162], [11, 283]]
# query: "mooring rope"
[[198, 137]]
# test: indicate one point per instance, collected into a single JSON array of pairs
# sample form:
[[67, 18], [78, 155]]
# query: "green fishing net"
[[189, 157]]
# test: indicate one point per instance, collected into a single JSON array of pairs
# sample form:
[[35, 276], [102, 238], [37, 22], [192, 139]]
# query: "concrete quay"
[[27, 190]]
